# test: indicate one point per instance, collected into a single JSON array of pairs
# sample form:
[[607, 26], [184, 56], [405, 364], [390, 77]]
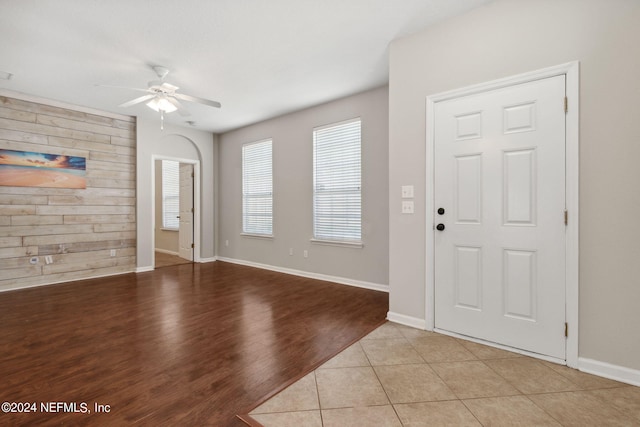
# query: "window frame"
[[338, 239], [166, 188], [249, 231]]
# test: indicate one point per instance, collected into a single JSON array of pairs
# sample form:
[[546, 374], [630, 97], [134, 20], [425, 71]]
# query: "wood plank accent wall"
[[78, 228]]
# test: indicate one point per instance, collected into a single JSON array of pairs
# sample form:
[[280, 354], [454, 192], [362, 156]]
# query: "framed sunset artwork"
[[27, 169]]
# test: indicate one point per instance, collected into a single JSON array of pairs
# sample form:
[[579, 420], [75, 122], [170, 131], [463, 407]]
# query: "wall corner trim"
[[310, 275], [402, 319], [203, 260], [610, 371]]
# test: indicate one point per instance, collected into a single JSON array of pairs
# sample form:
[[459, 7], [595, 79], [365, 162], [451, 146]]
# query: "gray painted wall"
[[505, 38], [293, 184]]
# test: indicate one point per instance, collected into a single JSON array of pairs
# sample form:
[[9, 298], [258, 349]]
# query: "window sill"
[[257, 236], [169, 229], [344, 244]]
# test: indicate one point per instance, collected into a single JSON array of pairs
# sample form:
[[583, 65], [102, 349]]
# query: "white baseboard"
[[414, 322], [309, 275], [165, 251], [58, 282], [608, 370], [151, 268]]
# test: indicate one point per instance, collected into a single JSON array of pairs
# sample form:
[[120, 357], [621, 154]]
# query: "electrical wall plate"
[[407, 191], [407, 206]]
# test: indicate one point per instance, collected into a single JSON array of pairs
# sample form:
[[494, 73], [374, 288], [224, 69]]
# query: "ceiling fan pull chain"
[[161, 119]]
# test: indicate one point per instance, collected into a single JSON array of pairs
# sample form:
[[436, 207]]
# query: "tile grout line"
[[315, 381], [393, 334], [457, 398], [382, 385], [542, 409], [247, 417], [527, 395], [445, 383], [470, 411]]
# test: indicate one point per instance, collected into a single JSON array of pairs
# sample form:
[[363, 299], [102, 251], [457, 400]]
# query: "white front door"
[[499, 183], [185, 234]]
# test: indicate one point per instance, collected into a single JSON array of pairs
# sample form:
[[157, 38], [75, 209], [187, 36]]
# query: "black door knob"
[[440, 227], [440, 211]]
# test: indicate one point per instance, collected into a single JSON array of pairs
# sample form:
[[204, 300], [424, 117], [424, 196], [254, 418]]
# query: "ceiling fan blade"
[[137, 101], [181, 110], [198, 100], [123, 87]]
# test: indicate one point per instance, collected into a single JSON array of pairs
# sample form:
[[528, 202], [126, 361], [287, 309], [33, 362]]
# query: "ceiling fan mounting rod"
[[161, 71]]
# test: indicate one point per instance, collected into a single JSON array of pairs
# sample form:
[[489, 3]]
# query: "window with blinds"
[[170, 194], [257, 188], [337, 205]]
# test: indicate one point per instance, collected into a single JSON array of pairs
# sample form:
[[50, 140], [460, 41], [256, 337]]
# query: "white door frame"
[[196, 204], [572, 72]]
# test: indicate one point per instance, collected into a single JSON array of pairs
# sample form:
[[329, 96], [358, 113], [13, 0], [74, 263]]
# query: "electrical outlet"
[[48, 260], [226, 243], [407, 206], [290, 251], [113, 252], [305, 253]]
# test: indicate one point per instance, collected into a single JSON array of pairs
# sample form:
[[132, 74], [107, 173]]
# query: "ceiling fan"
[[163, 97]]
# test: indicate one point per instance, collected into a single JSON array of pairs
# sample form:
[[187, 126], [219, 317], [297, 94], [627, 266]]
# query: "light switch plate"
[[407, 191]]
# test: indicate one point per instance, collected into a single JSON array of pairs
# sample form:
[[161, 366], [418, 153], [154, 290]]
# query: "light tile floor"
[[399, 376]]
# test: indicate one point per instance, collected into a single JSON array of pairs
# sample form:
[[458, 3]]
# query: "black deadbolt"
[[440, 211], [440, 227]]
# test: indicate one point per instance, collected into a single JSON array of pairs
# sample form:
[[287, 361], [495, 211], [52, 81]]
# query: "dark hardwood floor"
[[166, 260], [193, 344]]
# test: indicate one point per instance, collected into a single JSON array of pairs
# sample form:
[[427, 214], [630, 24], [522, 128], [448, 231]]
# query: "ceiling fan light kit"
[[161, 103], [163, 97]]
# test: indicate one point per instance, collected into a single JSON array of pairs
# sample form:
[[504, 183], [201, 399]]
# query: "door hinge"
[[566, 217], [193, 174], [566, 329], [192, 210], [566, 104], [192, 246]]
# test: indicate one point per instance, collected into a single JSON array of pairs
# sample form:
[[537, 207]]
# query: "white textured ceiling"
[[259, 58]]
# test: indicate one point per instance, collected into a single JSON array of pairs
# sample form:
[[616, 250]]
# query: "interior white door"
[[500, 196], [185, 234]]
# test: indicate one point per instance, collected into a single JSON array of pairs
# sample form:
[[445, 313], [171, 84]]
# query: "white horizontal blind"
[[337, 206], [257, 188], [170, 194]]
